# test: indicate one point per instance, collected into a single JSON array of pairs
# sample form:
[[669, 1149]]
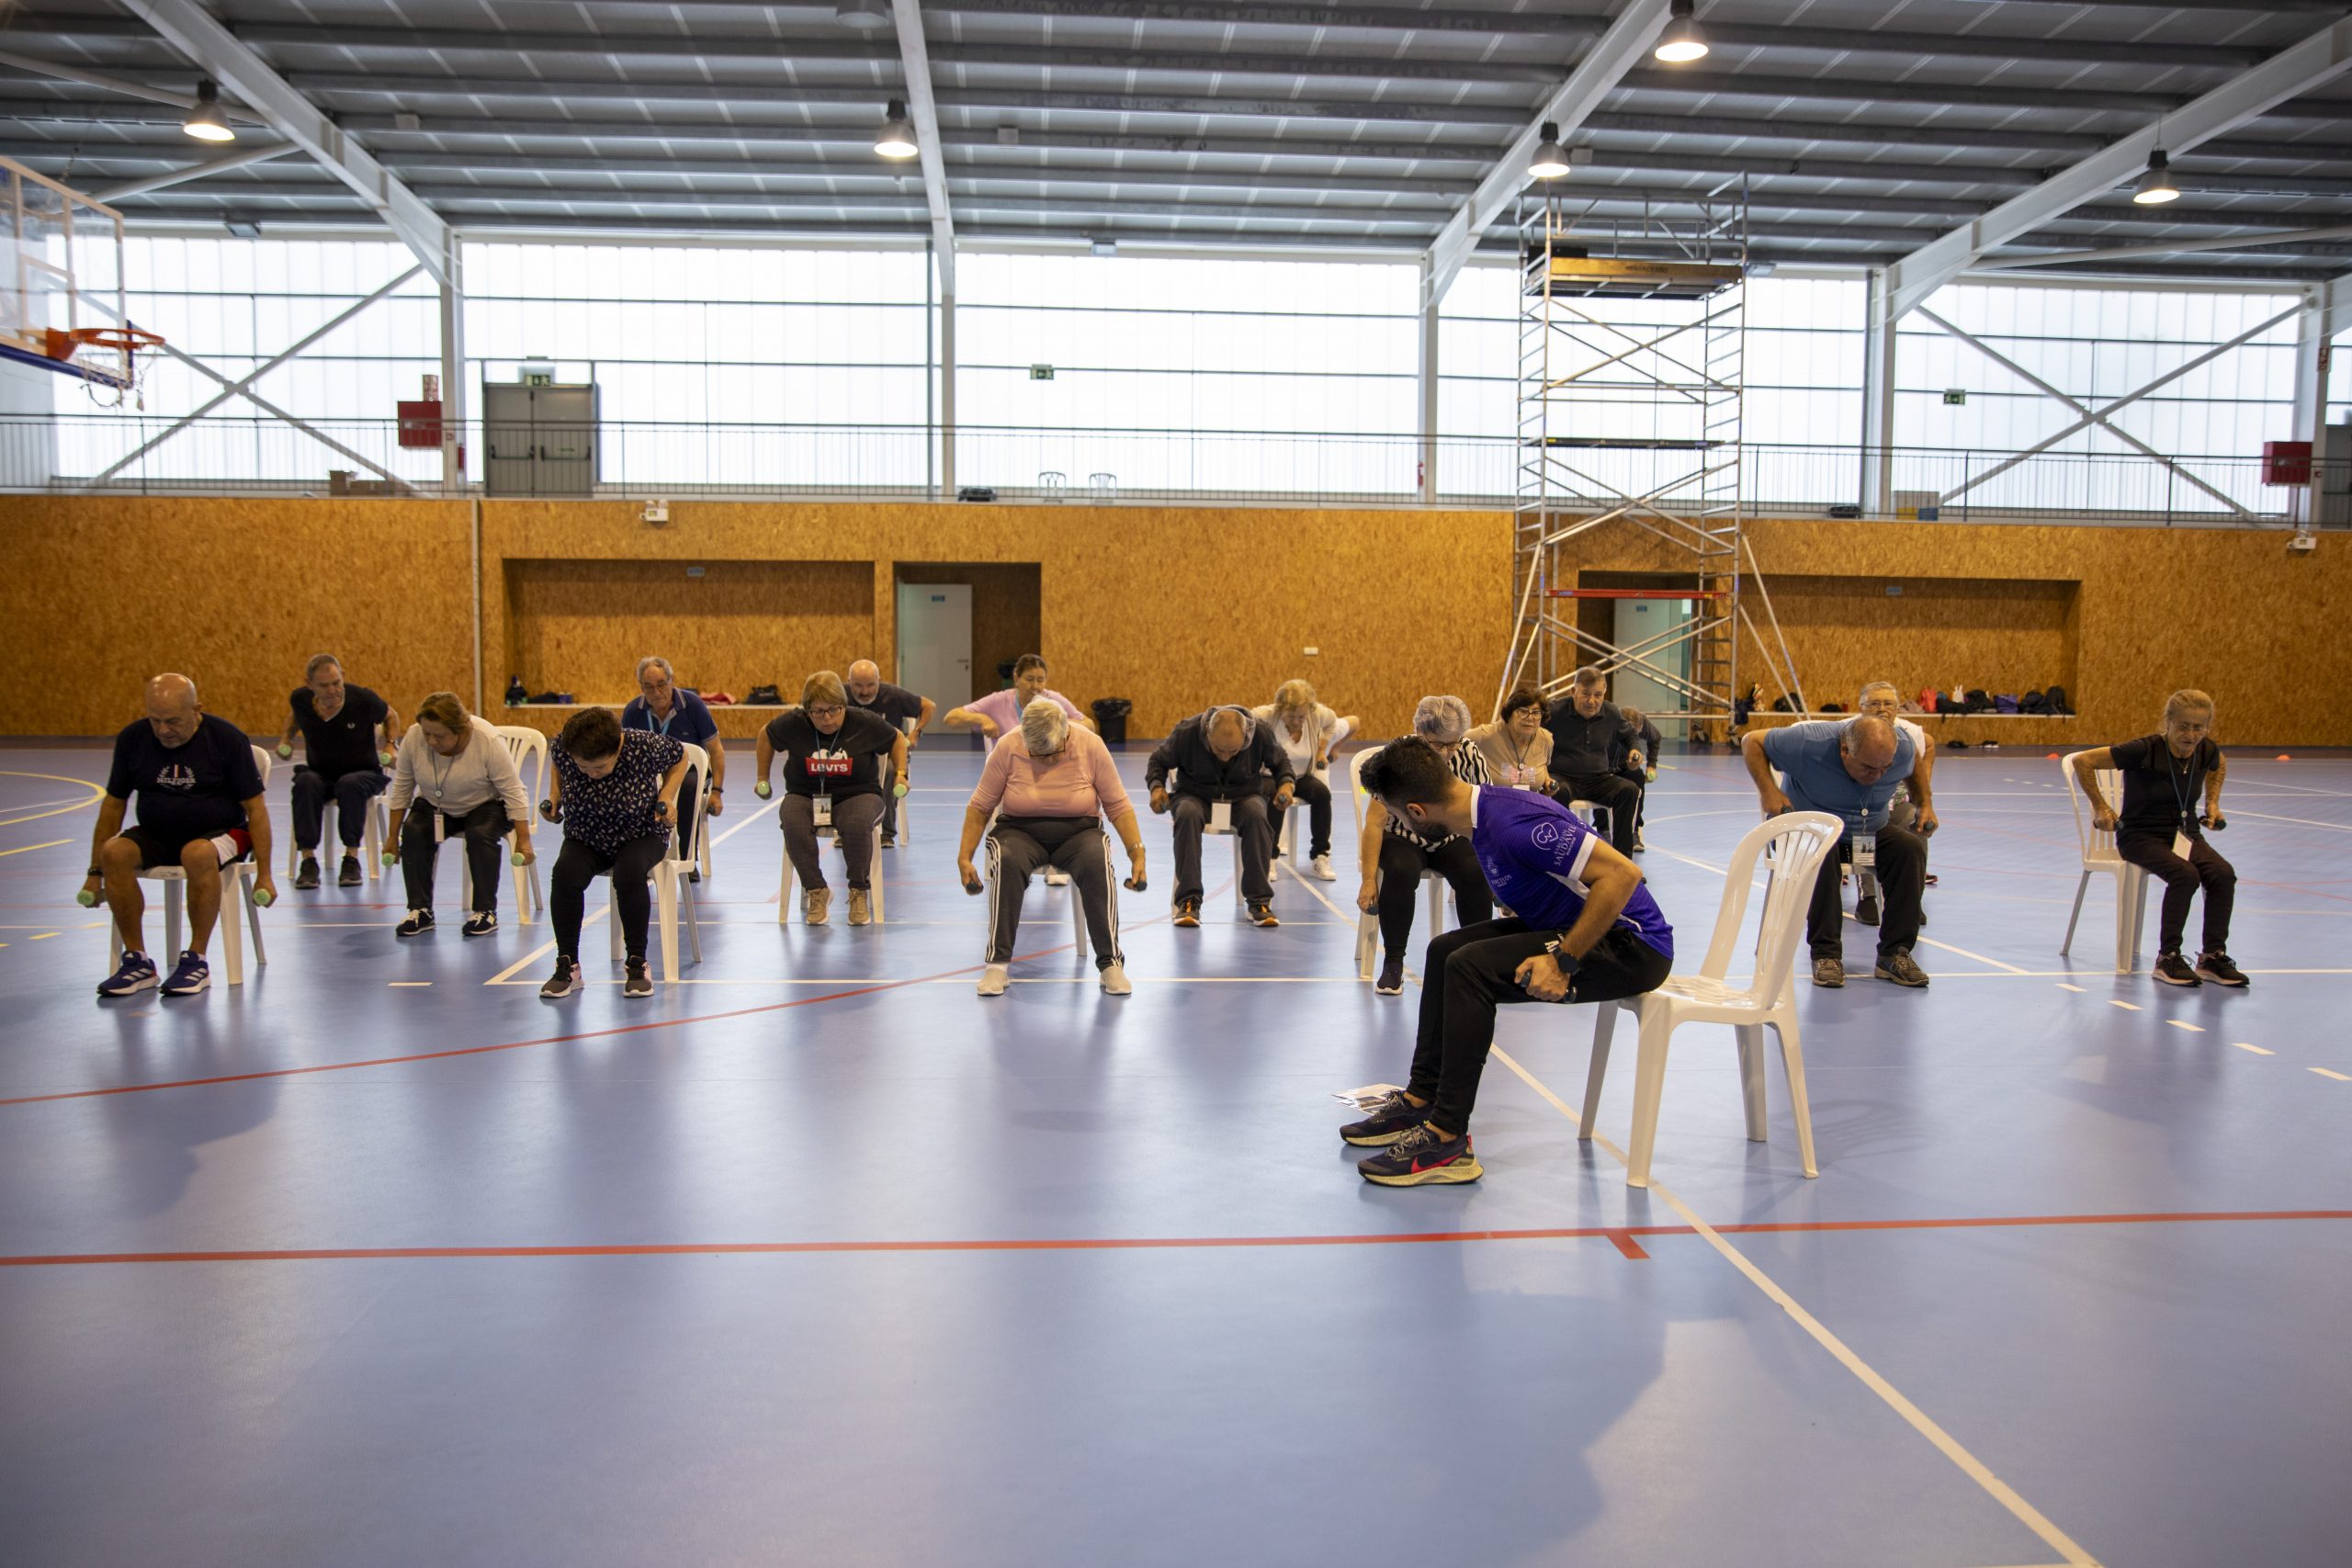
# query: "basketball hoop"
[[62, 343]]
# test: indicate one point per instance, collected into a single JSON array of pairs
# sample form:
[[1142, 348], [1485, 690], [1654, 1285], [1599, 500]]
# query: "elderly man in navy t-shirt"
[[200, 808], [1848, 769], [1585, 930]]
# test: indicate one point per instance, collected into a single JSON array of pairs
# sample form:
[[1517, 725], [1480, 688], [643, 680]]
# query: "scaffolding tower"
[[1630, 386]]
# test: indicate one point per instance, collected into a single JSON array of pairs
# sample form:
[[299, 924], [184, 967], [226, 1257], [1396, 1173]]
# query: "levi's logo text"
[[828, 764]]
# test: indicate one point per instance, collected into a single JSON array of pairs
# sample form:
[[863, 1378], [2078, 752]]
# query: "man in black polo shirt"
[[895, 706], [1589, 737], [343, 760], [2171, 795], [200, 808]]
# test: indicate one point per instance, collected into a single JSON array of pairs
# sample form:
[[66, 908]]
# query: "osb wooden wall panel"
[[2003, 635], [102, 592], [1008, 617], [2236, 613], [1173, 608], [580, 625]]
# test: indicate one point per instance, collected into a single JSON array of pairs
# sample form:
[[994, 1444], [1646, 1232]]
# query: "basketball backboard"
[[61, 273]]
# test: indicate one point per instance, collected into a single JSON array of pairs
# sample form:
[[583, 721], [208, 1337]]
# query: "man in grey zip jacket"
[[1221, 755]]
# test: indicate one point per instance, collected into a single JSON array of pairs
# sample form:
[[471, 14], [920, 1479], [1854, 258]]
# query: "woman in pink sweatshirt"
[[1049, 785]]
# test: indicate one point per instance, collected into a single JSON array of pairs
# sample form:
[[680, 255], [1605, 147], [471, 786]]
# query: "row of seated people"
[[622, 791]]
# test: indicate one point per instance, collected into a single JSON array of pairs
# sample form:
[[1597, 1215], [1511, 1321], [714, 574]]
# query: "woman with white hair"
[[1309, 733], [1395, 855], [1048, 786]]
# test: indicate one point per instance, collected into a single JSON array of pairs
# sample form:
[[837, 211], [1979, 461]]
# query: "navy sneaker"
[[137, 975], [1421, 1157], [349, 876], [639, 981], [1392, 975], [1388, 1119], [189, 976], [2174, 970]]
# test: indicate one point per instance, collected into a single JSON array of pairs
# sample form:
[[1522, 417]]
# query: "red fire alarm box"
[[2286, 462], [420, 424]]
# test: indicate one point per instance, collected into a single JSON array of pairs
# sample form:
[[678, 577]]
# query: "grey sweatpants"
[[1019, 847], [854, 818]]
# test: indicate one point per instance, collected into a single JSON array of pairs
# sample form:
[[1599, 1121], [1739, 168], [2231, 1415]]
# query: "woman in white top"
[[1309, 733], [1517, 747], [458, 766], [1395, 856]]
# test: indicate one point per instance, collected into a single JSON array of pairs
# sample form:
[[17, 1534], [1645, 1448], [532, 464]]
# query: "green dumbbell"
[[898, 791], [391, 857], [87, 899], [265, 897], [284, 750], [519, 858], [761, 789]]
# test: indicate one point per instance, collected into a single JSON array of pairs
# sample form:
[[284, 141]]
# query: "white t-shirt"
[[1320, 732]]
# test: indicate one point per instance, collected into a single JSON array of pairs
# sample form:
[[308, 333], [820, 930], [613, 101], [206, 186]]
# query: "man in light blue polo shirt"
[[660, 708], [1850, 769]]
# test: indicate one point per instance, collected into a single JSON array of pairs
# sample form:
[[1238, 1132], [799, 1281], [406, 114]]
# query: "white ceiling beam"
[[239, 160], [2172, 247], [194, 31], [923, 110], [2287, 75], [114, 85], [2336, 308], [1624, 45]]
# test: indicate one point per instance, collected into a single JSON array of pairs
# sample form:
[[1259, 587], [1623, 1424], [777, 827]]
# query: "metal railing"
[[136, 454]]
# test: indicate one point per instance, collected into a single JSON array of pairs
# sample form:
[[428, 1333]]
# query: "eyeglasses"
[[831, 710]]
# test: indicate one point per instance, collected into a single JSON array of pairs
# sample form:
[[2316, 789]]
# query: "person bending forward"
[[616, 791], [1049, 785], [1586, 930]]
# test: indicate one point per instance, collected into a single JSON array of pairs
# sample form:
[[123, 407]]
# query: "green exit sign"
[[1955, 397], [1041, 372]]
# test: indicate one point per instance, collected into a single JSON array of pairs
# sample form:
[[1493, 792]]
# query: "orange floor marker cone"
[[2052, 758], [2284, 757]]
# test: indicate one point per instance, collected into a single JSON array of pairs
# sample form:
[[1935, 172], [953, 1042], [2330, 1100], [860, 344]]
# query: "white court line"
[[2183, 1023], [2299, 821], [2127, 1007], [1979, 957], [2256, 1049], [895, 981], [2064, 986], [1945, 1443], [2339, 1078]]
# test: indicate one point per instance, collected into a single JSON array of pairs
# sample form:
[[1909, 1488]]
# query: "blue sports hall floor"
[[819, 1258]]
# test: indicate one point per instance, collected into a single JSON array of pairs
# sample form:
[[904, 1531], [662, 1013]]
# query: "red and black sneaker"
[[1424, 1158]]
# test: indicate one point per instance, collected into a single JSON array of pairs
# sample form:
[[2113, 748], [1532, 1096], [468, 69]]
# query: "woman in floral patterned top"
[[616, 791]]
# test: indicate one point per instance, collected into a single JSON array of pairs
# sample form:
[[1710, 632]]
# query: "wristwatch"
[[1559, 956]]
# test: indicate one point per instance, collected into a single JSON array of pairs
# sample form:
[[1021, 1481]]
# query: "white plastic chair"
[[783, 888], [528, 748], [236, 882], [672, 886], [2099, 857], [907, 800], [1800, 840], [1368, 921]]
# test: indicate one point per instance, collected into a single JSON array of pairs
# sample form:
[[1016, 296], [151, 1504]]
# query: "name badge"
[[440, 828], [1865, 851], [2180, 844], [824, 805]]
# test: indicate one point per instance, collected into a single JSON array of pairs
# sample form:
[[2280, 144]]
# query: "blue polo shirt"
[[1533, 850], [1807, 754], [689, 720]]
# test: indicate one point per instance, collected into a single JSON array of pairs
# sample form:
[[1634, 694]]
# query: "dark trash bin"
[[1111, 718]]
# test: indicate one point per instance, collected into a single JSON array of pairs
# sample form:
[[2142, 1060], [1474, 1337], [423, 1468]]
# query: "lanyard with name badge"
[[2182, 841]]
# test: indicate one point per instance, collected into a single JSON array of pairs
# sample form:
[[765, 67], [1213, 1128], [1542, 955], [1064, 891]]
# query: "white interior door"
[[936, 641]]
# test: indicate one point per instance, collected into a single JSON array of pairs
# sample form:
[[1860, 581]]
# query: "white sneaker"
[[1116, 982], [1321, 866], [1056, 878], [813, 903], [994, 979]]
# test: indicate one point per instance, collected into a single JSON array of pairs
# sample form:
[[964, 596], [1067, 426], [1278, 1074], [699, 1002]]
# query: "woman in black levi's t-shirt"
[[2172, 797], [832, 758], [616, 791]]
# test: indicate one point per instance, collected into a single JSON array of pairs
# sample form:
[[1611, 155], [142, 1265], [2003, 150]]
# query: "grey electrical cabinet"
[[2331, 485], [541, 440]]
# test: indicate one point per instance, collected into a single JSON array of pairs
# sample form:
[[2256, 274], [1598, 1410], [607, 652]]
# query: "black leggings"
[[1402, 862], [2204, 868], [632, 870]]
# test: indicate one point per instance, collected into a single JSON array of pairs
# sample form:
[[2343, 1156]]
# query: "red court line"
[[1621, 1236], [552, 1039]]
